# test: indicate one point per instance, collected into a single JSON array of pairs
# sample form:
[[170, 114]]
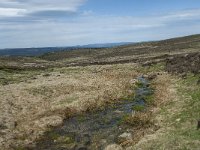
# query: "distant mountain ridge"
[[43, 50]]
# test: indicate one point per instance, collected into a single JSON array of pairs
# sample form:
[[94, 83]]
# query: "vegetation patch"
[[138, 107], [177, 118], [139, 120]]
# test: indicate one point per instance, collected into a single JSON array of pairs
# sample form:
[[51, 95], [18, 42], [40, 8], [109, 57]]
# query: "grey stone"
[[113, 147], [124, 137]]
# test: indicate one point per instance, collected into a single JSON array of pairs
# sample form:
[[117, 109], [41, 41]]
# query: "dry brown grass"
[[30, 108]]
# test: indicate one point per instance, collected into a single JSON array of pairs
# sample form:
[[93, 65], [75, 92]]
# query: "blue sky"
[[40, 23]]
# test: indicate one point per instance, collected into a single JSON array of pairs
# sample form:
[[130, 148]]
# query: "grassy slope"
[[177, 115]]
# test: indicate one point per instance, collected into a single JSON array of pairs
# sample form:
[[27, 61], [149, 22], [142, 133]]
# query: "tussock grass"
[[140, 120]]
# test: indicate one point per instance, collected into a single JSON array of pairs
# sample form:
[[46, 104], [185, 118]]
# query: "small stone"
[[133, 81], [177, 120], [124, 137], [145, 76], [118, 112], [113, 147]]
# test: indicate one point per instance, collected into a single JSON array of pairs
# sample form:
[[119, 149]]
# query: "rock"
[[113, 147], [133, 81], [124, 137], [119, 112], [145, 76]]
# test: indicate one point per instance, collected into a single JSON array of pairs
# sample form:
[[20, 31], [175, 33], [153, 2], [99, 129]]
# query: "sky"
[[45, 23]]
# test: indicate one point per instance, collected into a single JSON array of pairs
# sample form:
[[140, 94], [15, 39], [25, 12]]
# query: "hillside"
[[40, 51], [139, 96], [127, 53], [141, 52]]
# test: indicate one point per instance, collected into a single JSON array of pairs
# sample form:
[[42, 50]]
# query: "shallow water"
[[93, 131]]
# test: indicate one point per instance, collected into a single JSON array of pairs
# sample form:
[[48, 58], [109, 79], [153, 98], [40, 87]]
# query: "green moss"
[[65, 139], [138, 107], [149, 99], [53, 135], [81, 118], [139, 84]]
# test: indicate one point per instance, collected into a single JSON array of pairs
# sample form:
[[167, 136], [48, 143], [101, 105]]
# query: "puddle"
[[94, 131]]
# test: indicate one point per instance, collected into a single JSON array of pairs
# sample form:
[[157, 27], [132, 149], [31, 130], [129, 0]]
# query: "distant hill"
[[127, 53], [41, 51], [106, 45]]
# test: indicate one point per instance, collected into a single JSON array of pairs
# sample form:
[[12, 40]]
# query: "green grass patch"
[[138, 107], [149, 99]]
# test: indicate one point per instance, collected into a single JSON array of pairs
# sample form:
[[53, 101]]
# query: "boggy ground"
[[32, 105], [97, 129]]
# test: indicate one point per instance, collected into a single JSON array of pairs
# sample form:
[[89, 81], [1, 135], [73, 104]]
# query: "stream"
[[95, 130]]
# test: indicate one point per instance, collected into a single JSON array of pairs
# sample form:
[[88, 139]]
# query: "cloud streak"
[[9, 8]]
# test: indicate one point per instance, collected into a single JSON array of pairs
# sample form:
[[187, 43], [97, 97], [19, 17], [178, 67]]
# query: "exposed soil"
[[184, 64]]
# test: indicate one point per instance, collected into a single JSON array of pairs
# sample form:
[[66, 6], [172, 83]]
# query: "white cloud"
[[11, 12], [10, 8], [186, 14]]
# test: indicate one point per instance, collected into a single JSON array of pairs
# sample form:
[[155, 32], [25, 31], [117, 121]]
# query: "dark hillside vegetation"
[[128, 53], [184, 63], [141, 52]]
